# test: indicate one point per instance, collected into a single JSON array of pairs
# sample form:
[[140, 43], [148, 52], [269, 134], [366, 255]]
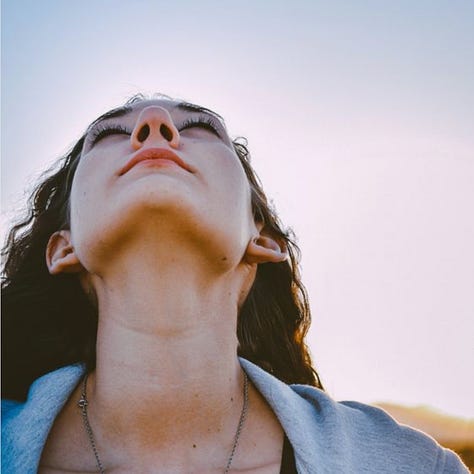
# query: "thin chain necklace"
[[83, 402]]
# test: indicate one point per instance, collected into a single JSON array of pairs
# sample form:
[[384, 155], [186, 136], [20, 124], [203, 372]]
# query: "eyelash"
[[204, 122], [104, 130]]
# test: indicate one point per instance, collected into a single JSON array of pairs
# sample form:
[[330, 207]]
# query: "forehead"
[[168, 104], [176, 108]]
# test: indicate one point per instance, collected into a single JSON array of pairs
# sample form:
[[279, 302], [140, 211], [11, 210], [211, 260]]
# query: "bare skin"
[[169, 278], [259, 450]]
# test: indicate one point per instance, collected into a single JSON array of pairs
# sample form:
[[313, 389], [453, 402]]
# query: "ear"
[[264, 249], [60, 255]]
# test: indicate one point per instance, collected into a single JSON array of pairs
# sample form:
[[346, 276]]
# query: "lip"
[[155, 153]]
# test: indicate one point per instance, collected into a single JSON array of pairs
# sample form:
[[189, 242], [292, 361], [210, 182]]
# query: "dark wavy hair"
[[48, 321]]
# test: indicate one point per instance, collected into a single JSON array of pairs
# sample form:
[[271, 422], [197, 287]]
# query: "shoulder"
[[379, 440], [345, 437], [25, 425]]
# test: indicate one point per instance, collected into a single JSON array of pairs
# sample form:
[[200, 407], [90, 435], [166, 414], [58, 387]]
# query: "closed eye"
[[104, 130], [206, 123]]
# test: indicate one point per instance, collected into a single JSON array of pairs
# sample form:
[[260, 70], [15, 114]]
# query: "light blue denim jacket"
[[328, 437]]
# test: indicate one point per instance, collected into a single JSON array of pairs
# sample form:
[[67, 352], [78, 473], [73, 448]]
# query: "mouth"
[[155, 153]]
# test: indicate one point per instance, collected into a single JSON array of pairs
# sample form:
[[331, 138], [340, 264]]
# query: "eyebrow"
[[188, 107], [114, 113]]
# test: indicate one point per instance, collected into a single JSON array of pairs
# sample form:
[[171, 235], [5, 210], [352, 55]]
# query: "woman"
[[149, 262]]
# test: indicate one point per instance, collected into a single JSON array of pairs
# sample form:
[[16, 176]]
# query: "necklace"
[[83, 403]]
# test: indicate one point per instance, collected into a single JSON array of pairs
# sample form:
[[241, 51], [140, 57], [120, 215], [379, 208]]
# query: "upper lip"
[[155, 153]]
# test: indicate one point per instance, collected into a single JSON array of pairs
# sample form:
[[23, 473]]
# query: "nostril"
[[143, 133], [166, 132]]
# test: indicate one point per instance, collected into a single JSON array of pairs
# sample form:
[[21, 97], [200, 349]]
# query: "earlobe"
[[60, 254], [265, 249]]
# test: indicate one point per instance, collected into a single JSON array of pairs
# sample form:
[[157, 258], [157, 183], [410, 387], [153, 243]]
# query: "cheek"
[[85, 187], [87, 198], [234, 199], [230, 182]]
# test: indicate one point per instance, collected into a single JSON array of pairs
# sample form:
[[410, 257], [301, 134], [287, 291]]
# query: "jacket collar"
[[307, 416], [25, 426], [298, 408]]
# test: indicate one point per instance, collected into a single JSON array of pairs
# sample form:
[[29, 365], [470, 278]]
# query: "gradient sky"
[[360, 119]]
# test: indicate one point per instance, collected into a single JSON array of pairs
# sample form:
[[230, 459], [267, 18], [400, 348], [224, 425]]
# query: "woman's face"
[[159, 164]]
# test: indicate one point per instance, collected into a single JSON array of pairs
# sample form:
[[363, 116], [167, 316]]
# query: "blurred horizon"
[[360, 121]]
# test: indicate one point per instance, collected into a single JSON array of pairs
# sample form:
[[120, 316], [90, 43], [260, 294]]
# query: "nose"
[[154, 126]]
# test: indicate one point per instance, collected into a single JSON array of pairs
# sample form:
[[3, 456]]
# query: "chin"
[[148, 209], [156, 208]]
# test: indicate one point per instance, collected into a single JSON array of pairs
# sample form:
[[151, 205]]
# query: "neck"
[[167, 351]]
